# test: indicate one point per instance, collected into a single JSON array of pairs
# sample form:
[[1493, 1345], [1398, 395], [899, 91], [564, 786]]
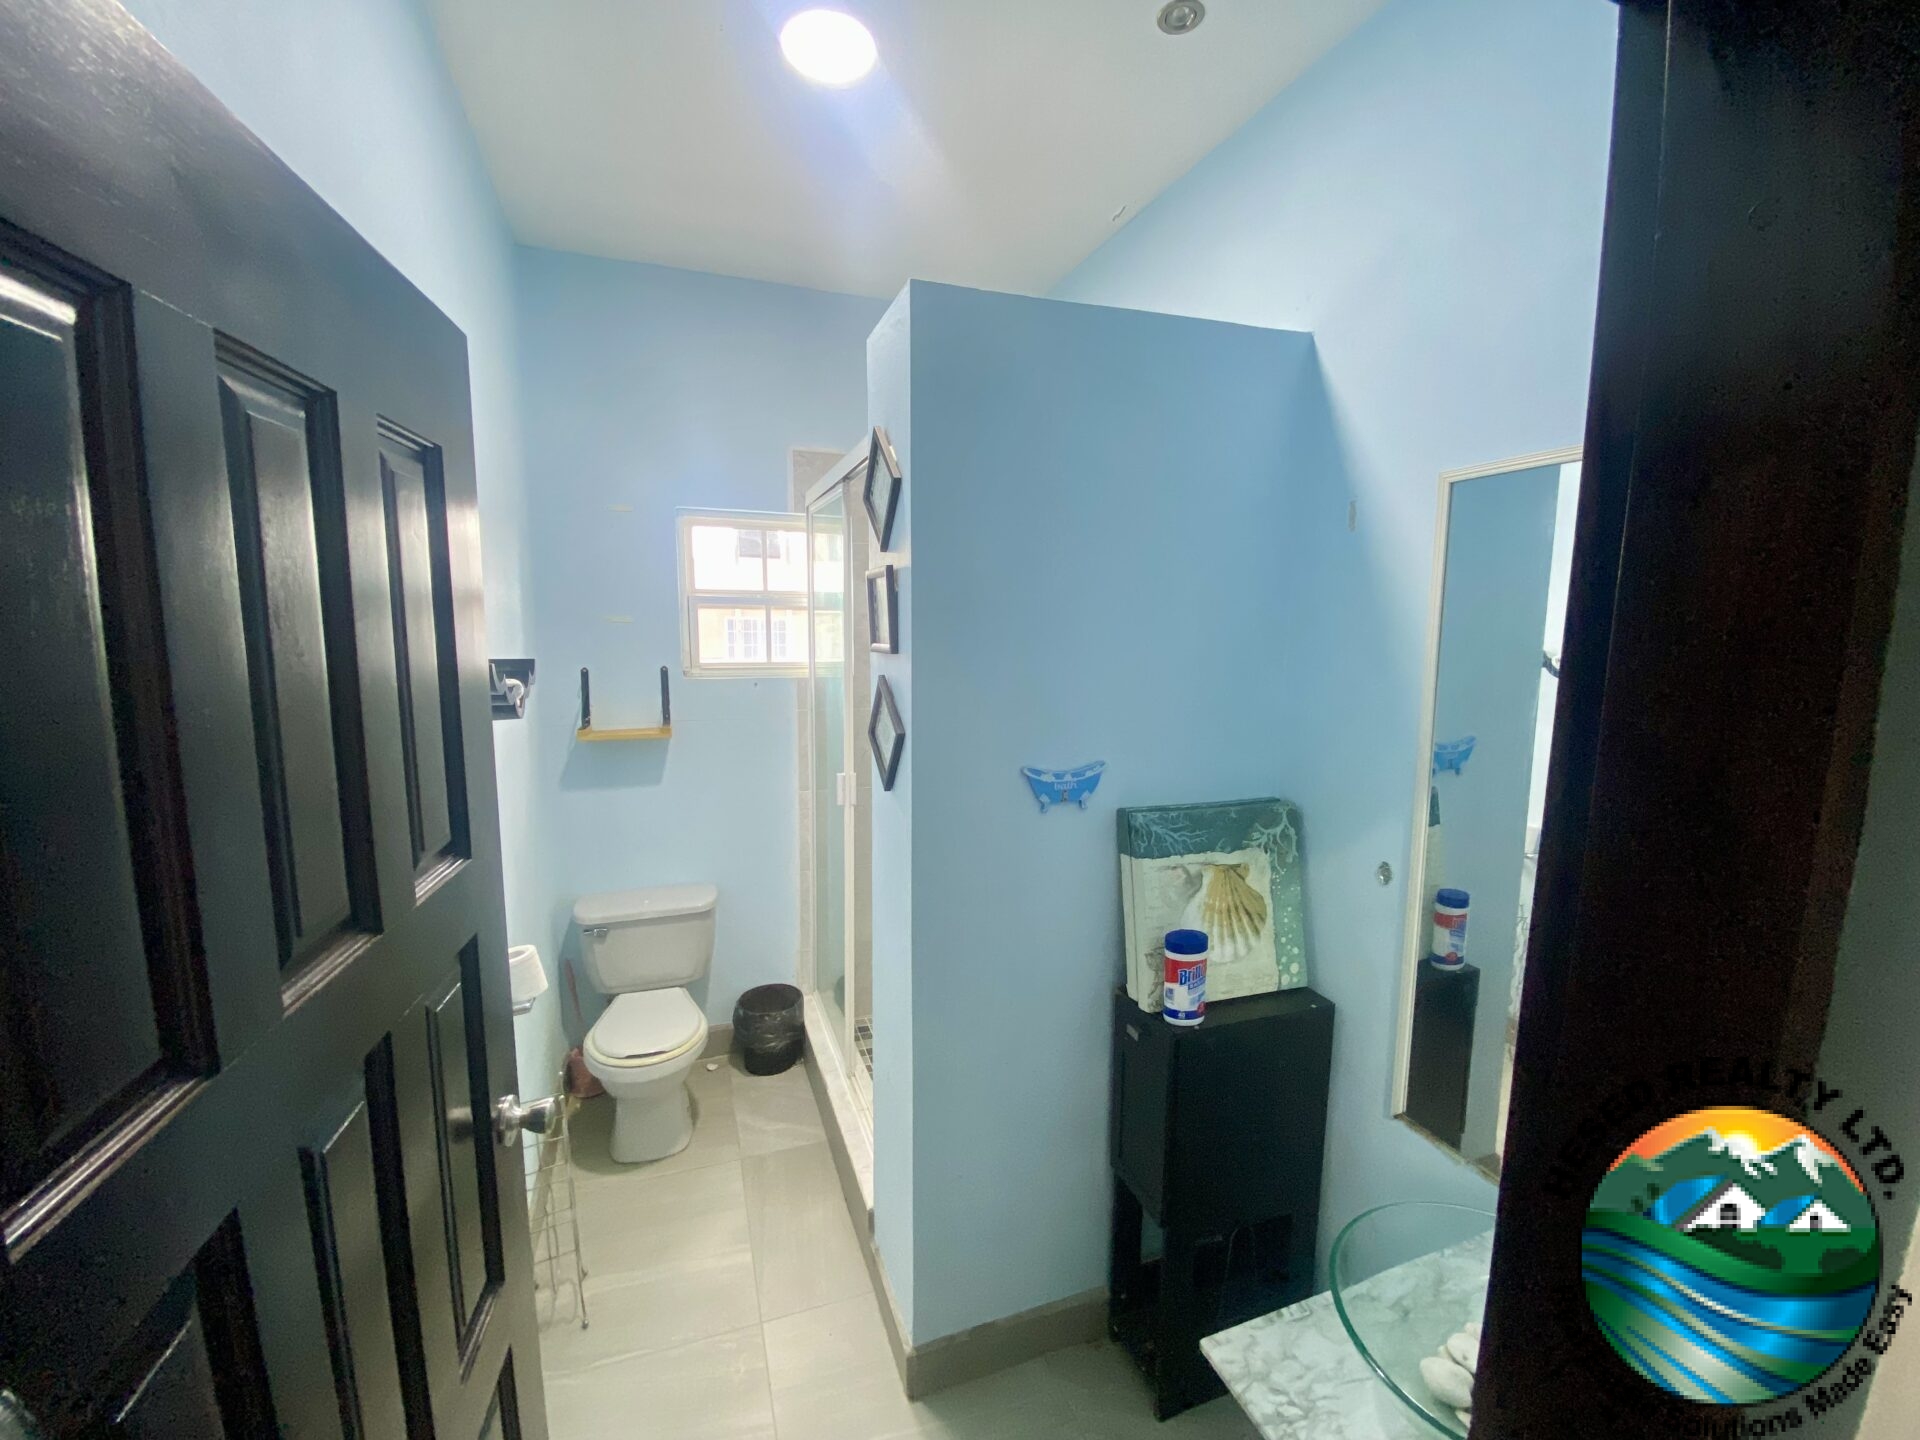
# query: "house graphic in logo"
[[1731, 1256], [1728, 1206]]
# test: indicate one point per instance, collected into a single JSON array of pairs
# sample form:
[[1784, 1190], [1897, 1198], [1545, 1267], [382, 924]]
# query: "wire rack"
[[559, 1270]]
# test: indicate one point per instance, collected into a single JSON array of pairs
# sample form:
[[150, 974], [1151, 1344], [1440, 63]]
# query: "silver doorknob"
[[510, 1117]]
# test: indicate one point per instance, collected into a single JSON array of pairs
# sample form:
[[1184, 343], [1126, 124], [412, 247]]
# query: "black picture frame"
[[883, 466], [886, 753], [883, 610]]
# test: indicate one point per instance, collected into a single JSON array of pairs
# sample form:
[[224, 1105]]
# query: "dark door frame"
[[1750, 443]]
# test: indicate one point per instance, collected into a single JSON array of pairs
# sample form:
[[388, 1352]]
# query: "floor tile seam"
[[601, 1181]]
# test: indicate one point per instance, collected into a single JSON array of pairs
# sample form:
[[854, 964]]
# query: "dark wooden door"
[[1750, 443], [253, 1005]]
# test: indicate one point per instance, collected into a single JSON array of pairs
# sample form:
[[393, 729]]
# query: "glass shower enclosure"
[[837, 790]]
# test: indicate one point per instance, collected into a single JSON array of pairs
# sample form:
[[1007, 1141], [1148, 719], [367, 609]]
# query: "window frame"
[[766, 601]]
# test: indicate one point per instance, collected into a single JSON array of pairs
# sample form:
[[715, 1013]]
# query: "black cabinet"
[[1218, 1134], [1440, 1060]]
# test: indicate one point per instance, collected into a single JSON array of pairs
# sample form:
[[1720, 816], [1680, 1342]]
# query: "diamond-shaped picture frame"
[[883, 469], [886, 733]]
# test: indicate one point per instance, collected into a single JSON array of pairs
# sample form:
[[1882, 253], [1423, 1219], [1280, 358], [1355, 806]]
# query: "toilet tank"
[[647, 939]]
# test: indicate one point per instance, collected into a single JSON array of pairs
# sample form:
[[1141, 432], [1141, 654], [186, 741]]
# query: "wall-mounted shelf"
[[587, 731]]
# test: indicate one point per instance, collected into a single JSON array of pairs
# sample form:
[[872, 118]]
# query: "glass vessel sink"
[[1405, 1277]]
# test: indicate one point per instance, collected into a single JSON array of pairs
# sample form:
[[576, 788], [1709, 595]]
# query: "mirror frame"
[[1418, 924]]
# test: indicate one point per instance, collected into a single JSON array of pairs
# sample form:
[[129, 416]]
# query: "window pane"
[[788, 642], [731, 635], [726, 557], [787, 561], [746, 639], [829, 631], [829, 565]]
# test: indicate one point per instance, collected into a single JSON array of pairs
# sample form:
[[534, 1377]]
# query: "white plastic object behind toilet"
[[642, 947]]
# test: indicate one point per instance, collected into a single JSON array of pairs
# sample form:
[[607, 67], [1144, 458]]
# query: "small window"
[[743, 594], [1729, 1214]]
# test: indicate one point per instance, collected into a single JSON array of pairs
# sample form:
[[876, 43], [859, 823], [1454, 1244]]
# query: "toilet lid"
[[646, 1022]]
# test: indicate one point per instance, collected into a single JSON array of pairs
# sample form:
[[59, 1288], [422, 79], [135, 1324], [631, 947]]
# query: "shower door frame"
[[838, 1043]]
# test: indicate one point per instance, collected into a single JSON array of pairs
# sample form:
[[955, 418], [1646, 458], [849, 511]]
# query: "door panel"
[[177, 1396], [180, 444], [420, 579], [343, 1210], [74, 1039], [461, 1131], [295, 604], [207, 1377], [191, 1365], [502, 1421], [253, 976]]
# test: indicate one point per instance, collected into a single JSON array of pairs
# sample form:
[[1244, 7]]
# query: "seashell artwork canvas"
[[1231, 869]]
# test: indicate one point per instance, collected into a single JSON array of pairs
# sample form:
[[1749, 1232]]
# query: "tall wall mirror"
[[1503, 552]]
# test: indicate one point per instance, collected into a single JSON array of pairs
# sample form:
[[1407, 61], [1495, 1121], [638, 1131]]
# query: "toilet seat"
[[645, 1028]]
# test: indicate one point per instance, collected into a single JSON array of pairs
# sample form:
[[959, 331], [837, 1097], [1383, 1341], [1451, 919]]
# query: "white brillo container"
[[1183, 999], [1450, 929]]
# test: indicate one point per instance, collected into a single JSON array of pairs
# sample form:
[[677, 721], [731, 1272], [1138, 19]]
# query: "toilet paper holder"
[[508, 684], [526, 977]]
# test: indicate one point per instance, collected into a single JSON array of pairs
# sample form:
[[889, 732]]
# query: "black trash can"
[[769, 1029]]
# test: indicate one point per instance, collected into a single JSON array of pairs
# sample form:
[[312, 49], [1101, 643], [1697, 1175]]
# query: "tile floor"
[[730, 1302]]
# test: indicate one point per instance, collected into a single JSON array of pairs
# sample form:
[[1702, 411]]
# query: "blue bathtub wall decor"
[[1057, 787]]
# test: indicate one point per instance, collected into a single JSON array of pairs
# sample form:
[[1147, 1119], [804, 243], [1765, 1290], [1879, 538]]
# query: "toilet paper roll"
[[526, 976]]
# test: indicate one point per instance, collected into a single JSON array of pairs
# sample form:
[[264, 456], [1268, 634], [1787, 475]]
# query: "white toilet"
[[642, 947]]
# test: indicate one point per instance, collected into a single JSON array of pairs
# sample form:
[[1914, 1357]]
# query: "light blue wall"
[[648, 389], [1098, 498], [354, 96], [1492, 628], [1427, 201]]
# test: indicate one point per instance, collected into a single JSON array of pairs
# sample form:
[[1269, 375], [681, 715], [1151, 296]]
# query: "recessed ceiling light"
[[828, 47], [1182, 16]]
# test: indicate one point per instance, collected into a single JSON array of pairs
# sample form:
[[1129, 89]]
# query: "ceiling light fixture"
[[1182, 17], [828, 47]]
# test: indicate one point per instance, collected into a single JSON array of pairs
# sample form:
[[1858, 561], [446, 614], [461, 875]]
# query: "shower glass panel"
[[836, 969], [827, 535]]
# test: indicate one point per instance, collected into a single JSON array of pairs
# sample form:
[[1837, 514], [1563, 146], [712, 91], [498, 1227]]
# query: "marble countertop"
[[1298, 1375]]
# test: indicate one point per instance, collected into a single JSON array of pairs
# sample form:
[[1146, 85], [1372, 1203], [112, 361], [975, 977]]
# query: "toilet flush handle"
[[510, 1117]]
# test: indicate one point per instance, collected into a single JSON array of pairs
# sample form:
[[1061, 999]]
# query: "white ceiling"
[[991, 146]]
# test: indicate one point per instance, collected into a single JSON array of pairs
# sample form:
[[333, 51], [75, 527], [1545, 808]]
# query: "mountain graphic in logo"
[[1731, 1256]]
